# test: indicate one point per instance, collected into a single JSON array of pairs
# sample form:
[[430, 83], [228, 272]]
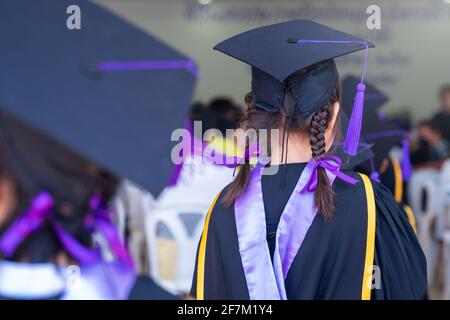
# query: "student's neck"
[[298, 150]]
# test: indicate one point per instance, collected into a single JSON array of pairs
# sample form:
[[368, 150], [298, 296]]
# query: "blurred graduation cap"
[[384, 135], [377, 129], [109, 91], [374, 98], [364, 152], [298, 55]]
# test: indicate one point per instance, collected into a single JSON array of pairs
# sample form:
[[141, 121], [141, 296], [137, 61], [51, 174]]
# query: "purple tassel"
[[354, 127], [374, 175], [406, 161]]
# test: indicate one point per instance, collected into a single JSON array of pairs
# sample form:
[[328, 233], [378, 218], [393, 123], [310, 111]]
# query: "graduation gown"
[[331, 261], [393, 180]]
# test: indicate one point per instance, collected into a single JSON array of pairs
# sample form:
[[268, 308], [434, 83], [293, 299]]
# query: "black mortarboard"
[[383, 133], [109, 91], [298, 55], [374, 98]]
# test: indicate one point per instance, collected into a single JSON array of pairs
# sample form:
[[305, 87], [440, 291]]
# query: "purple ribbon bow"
[[41, 210], [28, 223], [331, 164]]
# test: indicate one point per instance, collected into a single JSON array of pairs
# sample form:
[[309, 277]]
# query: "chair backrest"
[[443, 205], [446, 241], [423, 195], [172, 235]]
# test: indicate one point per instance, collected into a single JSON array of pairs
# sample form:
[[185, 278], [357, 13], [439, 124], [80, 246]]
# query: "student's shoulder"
[[219, 210], [343, 188]]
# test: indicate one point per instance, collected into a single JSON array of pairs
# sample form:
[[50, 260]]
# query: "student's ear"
[[335, 110], [331, 132]]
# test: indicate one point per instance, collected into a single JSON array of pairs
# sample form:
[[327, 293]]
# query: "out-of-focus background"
[[412, 46]]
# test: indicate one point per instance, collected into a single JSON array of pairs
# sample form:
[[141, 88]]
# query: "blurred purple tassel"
[[374, 175], [354, 127], [406, 161]]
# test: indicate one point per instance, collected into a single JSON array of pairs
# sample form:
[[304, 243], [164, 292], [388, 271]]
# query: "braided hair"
[[290, 120], [323, 195]]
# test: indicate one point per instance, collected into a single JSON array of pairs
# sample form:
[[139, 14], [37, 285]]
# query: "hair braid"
[[324, 195]]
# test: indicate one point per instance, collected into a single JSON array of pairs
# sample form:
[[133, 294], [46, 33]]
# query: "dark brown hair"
[[290, 120]]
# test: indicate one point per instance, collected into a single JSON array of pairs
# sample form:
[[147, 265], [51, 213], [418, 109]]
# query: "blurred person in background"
[[435, 131], [433, 146], [193, 185], [57, 239], [438, 145], [441, 120]]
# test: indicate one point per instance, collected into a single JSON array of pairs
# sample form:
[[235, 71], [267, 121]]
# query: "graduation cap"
[[298, 55], [384, 135], [108, 91]]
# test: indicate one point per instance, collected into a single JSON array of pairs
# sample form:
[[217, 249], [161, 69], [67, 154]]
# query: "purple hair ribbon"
[[26, 224], [99, 220], [354, 127], [81, 253], [331, 164], [118, 66], [41, 211]]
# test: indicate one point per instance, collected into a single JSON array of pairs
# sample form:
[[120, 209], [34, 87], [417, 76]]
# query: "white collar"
[[30, 281]]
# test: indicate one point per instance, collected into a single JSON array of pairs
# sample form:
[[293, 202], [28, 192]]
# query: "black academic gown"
[[331, 259], [393, 180]]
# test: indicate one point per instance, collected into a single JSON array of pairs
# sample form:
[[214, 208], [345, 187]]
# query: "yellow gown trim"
[[201, 255], [398, 181], [411, 218], [370, 243]]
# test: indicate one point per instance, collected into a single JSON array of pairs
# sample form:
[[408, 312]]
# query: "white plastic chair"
[[131, 205], [446, 241], [443, 223], [183, 225], [424, 183]]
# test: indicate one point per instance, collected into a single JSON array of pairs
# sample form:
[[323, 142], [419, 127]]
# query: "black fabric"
[[145, 288], [330, 262], [387, 178], [277, 188]]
